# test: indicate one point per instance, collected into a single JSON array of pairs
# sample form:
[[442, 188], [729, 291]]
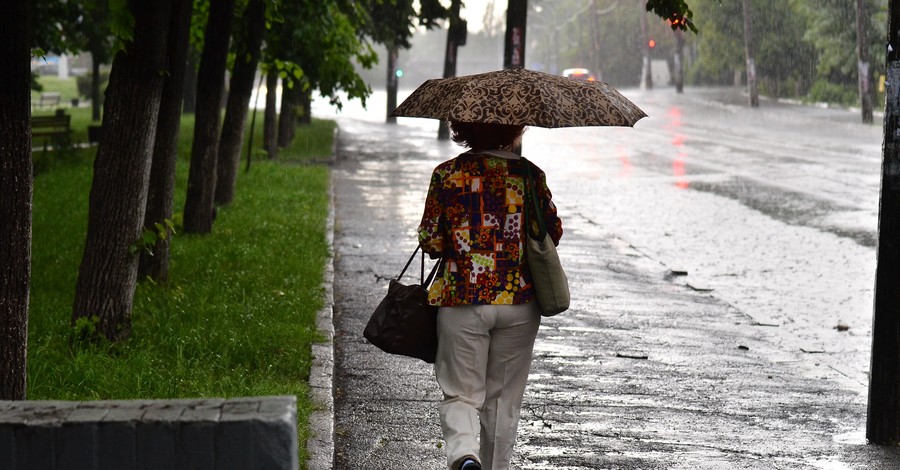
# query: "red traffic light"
[[651, 43]]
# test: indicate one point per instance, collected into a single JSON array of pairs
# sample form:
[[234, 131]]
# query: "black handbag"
[[404, 323]]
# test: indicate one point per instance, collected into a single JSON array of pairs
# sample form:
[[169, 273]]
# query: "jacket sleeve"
[[551, 220], [431, 230]]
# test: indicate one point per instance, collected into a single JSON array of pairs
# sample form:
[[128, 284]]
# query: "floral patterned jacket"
[[473, 218]]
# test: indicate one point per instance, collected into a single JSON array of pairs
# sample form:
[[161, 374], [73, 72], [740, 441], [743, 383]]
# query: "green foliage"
[[55, 26], [831, 28], [150, 237], [317, 45], [85, 329], [392, 22], [676, 12], [823, 91], [83, 83], [121, 21]]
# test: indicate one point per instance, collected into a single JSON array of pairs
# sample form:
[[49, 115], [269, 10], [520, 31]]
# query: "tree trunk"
[[391, 83], [679, 61], [595, 39], [270, 126], [99, 54], [15, 196], [866, 99], [305, 117], [247, 47], [189, 100], [750, 54], [160, 194], [199, 206], [883, 421], [646, 71], [287, 120], [106, 280]]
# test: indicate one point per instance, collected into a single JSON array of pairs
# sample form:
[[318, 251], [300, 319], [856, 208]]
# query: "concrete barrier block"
[[87, 413], [275, 443], [203, 410], [7, 447], [234, 444], [77, 446], [34, 447], [195, 446], [125, 410], [155, 444], [115, 440]]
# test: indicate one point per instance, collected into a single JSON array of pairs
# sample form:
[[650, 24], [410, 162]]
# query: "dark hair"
[[486, 136]]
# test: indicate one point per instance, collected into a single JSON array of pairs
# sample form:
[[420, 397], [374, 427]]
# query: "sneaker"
[[469, 464]]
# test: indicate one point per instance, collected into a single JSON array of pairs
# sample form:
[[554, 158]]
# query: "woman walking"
[[488, 315]]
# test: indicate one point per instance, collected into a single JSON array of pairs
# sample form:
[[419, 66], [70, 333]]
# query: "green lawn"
[[238, 315]]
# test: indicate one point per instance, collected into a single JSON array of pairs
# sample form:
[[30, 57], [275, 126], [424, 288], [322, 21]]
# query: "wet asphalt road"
[[735, 365]]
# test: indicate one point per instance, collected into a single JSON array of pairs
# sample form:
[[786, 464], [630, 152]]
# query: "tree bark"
[[189, 100], [199, 206], [106, 280], [883, 421], [305, 117], [15, 196], [287, 120], [99, 55], [646, 71], [161, 191], [866, 100], [247, 46], [678, 61], [270, 126], [750, 54], [391, 81]]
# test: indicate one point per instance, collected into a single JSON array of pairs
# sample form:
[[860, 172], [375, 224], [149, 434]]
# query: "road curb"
[[320, 444]]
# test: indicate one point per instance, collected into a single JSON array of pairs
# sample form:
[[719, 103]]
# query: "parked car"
[[579, 74]]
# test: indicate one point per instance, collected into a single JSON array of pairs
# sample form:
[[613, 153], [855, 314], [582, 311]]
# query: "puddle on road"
[[855, 437], [830, 465]]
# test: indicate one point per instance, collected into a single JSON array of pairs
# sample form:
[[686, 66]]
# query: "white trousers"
[[483, 360]]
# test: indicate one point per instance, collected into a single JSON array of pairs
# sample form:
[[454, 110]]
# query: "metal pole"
[[516, 19], [883, 422], [514, 49]]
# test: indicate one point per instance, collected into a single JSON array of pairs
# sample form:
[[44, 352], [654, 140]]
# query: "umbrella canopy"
[[519, 96]]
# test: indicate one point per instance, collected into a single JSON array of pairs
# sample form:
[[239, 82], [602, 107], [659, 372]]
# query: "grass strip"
[[238, 315]]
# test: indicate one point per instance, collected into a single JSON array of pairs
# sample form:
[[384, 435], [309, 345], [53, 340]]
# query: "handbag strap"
[[537, 230], [424, 282]]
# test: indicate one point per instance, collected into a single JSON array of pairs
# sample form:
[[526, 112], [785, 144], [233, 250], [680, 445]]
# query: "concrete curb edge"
[[320, 444]]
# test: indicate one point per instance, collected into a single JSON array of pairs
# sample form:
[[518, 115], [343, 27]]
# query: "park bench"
[[55, 128], [49, 98]]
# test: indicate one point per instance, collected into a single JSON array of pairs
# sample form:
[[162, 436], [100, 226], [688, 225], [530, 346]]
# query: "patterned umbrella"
[[521, 97]]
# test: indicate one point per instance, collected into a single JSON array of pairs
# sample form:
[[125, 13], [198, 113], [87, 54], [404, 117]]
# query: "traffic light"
[[399, 73], [651, 43]]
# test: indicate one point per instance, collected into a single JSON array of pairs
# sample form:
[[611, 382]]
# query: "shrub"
[[823, 91]]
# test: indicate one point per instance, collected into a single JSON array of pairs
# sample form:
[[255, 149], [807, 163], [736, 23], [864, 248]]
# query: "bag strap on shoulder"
[[536, 228]]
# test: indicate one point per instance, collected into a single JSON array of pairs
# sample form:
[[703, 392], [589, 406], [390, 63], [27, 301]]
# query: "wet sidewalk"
[[643, 372]]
